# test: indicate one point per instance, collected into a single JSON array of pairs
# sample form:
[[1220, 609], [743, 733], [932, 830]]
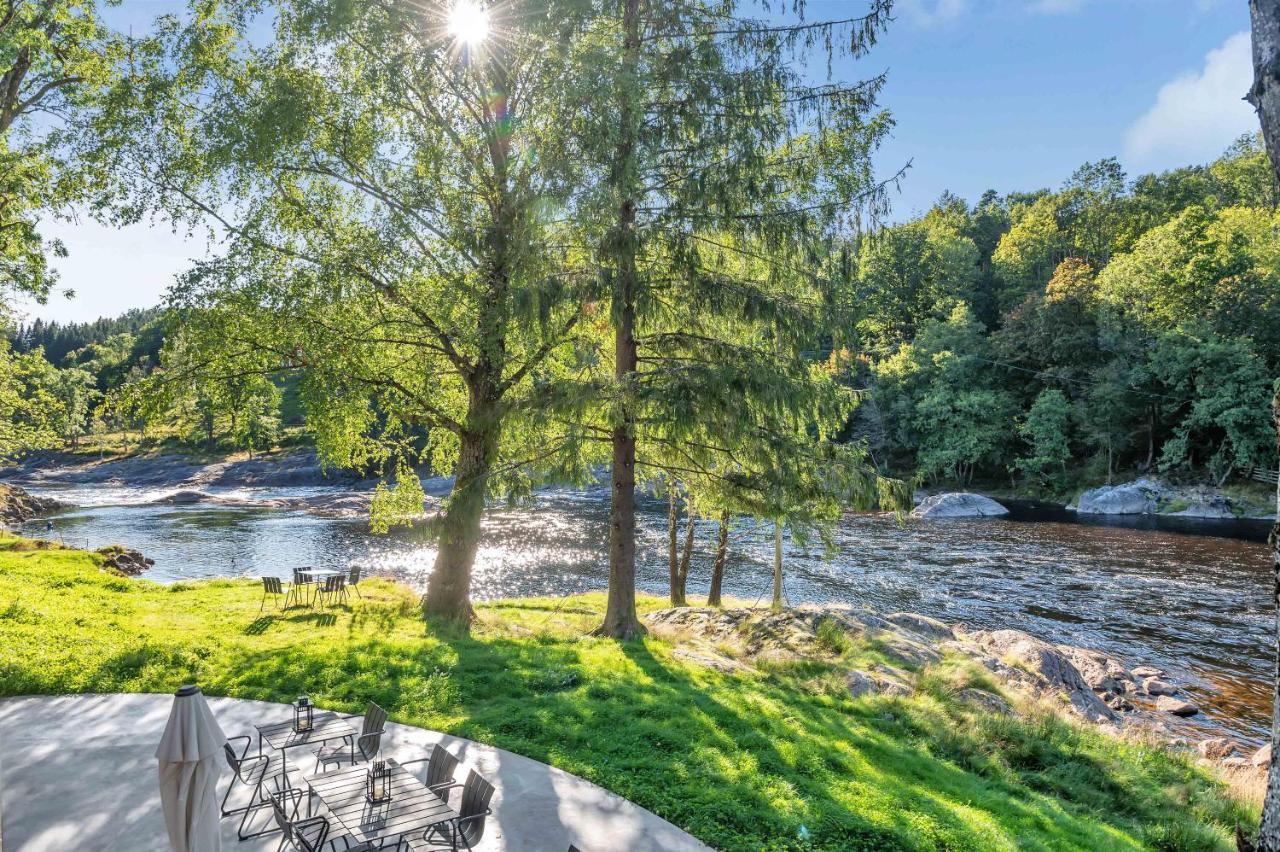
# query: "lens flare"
[[468, 22]]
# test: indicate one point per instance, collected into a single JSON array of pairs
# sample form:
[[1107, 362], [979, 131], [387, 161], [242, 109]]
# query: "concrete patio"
[[78, 772]]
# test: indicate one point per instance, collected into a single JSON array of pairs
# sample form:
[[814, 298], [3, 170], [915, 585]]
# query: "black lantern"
[[303, 718], [378, 783]]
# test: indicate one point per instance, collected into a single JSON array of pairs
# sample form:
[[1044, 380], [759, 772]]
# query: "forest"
[[1045, 340]]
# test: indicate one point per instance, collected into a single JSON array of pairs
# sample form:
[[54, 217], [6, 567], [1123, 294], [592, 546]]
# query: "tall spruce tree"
[[388, 187], [715, 148]]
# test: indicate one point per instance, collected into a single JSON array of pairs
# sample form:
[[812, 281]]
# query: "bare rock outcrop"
[[1041, 667]]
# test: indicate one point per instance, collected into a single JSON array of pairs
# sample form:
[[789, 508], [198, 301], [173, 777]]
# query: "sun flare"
[[468, 22]]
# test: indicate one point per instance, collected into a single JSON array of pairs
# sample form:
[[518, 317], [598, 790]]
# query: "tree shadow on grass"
[[742, 761]]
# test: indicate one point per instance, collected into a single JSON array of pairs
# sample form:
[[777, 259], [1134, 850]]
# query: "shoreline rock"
[[124, 560], [1150, 496], [958, 504], [1091, 685], [18, 506]]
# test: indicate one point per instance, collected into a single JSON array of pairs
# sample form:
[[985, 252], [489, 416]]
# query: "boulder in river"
[[185, 497], [1211, 505], [1139, 497], [1156, 686], [1176, 706], [959, 504]]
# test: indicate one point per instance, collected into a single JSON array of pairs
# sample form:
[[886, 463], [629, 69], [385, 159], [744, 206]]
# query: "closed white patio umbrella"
[[189, 768]]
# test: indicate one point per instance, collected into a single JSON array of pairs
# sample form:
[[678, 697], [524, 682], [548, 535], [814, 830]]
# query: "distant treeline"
[[58, 340]]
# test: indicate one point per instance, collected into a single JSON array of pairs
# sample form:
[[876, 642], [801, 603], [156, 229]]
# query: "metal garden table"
[[282, 737], [411, 810]]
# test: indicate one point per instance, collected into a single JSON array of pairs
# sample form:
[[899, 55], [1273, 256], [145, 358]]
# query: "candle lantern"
[[303, 715], [378, 783]]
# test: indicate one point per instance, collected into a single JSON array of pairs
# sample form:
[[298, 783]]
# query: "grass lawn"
[[774, 759]]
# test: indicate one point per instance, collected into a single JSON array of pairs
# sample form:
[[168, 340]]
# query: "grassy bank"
[[774, 759]]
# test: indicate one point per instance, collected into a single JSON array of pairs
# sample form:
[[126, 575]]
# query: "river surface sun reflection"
[[1196, 605]]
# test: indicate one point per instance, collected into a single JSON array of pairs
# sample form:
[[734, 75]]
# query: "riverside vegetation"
[[745, 752]]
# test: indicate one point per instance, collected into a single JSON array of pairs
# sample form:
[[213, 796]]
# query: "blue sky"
[[1003, 94]]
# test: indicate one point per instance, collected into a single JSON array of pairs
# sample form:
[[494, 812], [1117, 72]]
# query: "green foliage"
[[776, 759], [1045, 429]]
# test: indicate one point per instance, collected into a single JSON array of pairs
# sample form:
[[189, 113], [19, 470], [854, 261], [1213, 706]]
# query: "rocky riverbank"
[[889, 655], [1150, 496], [17, 506], [184, 481]]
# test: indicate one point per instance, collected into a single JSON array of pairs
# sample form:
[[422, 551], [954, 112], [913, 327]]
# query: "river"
[[1195, 604]]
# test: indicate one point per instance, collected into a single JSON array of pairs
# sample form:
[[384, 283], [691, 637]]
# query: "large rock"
[[1262, 757], [1102, 673], [1156, 686], [18, 506], [1043, 668], [124, 560], [1210, 505], [1140, 497], [959, 505]]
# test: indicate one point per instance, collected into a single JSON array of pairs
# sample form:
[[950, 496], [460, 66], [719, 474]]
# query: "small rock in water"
[[1141, 672], [1156, 686], [1176, 706], [1262, 757], [1215, 748]]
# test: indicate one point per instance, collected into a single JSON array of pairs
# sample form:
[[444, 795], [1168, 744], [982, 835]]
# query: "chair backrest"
[[440, 768], [272, 585], [281, 799], [476, 794], [353, 575], [375, 722], [334, 584], [233, 760], [297, 575]]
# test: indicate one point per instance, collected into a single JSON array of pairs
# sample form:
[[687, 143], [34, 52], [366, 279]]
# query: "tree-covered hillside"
[[1113, 324]]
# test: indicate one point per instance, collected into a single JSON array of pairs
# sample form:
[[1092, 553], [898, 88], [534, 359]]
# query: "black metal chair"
[[353, 580], [309, 834], [334, 589], [440, 768], [361, 748], [250, 771], [301, 583], [468, 828], [272, 586]]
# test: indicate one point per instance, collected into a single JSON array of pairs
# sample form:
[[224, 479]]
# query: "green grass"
[[779, 758]]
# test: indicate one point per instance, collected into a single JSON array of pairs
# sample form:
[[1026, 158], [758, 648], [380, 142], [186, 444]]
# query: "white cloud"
[[1197, 114], [929, 12]]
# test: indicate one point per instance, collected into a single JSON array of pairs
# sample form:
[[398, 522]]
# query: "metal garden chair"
[[273, 586], [468, 828], [249, 771], [301, 583], [440, 767], [361, 748], [353, 580], [310, 834], [334, 589]]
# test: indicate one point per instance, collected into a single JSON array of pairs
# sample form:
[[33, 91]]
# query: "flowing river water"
[[1194, 599]]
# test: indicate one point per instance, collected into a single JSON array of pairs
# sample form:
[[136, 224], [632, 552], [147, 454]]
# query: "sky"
[[986, 94]]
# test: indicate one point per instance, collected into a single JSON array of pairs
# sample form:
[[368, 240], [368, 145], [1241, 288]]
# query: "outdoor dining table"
[[324, 727], [411, 810], [317, 576]]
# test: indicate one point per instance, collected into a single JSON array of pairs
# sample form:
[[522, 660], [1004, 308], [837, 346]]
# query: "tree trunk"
[[717, 567], [777, 566], [620, 620], [682, 576], [1265, 97], [673, 537], [449, 587]]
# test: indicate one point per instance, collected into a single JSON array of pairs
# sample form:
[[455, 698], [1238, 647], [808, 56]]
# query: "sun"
[[468, 22]]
